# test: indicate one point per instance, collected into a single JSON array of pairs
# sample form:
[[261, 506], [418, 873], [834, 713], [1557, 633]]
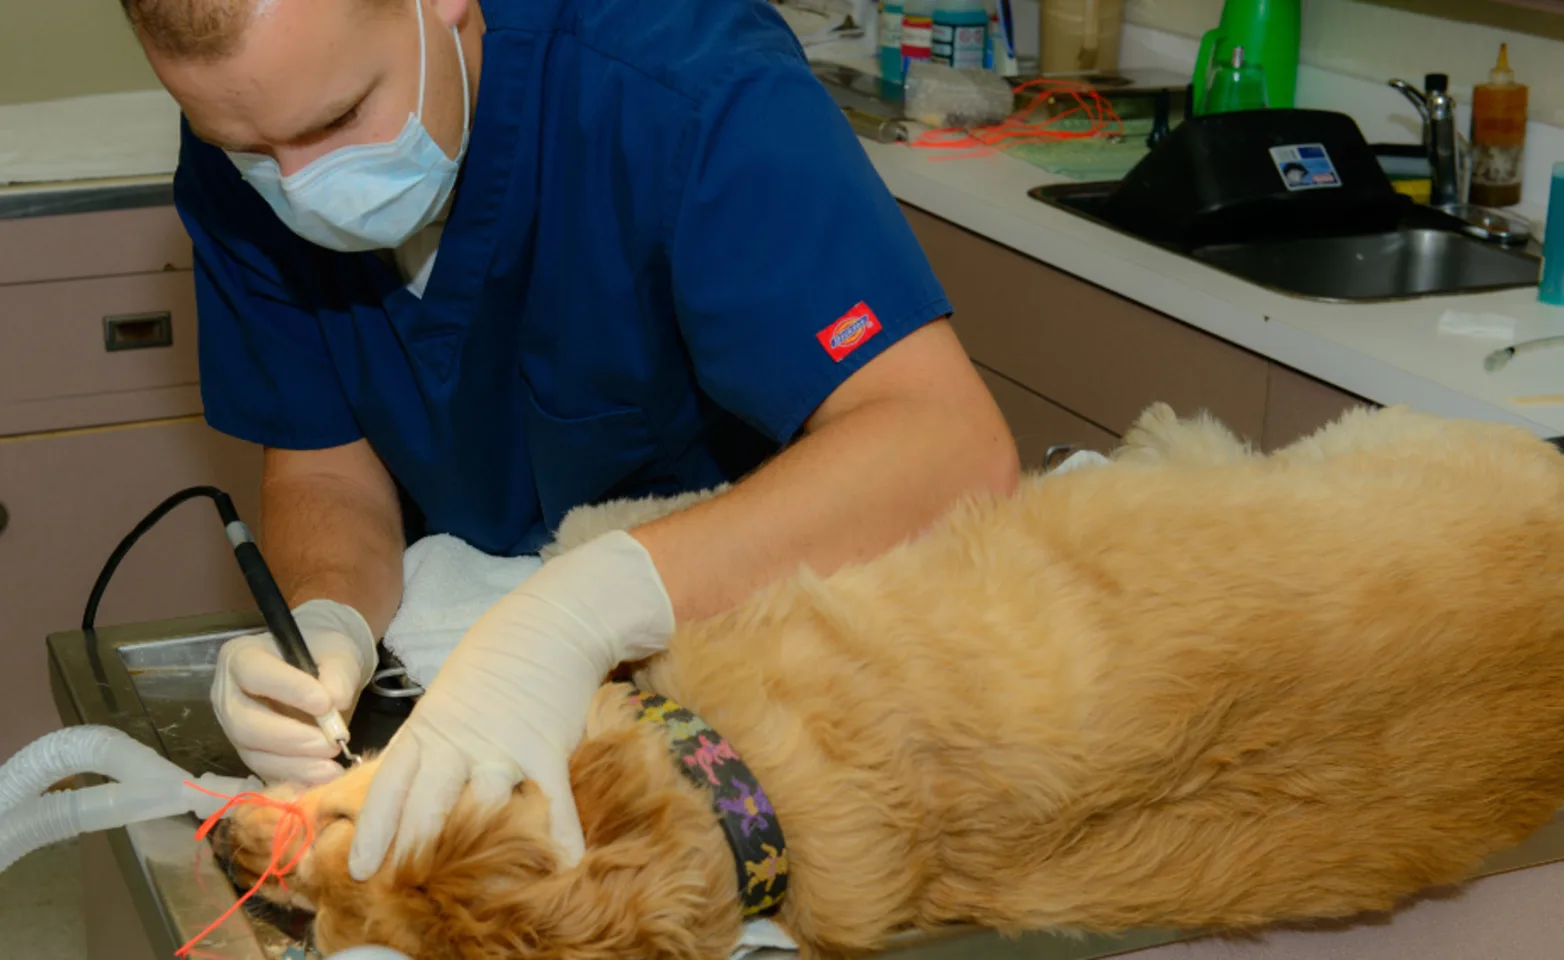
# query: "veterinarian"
[[461, 268]]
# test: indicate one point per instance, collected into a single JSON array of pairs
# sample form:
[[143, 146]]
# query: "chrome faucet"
[[1447, 169]]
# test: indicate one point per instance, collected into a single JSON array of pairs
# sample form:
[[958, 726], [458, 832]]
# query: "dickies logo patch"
[[847, 334]]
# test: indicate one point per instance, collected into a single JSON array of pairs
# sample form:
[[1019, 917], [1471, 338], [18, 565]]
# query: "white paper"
[[1477, 326]]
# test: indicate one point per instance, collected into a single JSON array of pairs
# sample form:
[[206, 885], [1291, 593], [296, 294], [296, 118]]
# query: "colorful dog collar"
[[751, 826]]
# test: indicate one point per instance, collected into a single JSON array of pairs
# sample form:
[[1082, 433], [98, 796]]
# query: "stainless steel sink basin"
[[1411, 262], [1427, 254]]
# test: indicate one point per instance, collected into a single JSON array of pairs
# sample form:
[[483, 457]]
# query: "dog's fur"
[[1196, 687]]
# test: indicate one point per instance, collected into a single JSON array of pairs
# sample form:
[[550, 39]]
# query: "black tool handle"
[[274, 609]]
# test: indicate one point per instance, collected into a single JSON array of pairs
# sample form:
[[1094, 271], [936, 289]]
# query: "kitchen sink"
[[1427, 253]]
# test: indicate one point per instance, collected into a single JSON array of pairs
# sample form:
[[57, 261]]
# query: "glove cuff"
[[329, 615], [611, 582], [641, 593]]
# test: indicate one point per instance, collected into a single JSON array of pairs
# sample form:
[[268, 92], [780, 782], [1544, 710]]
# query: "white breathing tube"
[[148, 787]]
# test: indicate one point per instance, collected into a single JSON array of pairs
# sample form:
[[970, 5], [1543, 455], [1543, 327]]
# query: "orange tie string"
[[1019, 127], [292, 822]]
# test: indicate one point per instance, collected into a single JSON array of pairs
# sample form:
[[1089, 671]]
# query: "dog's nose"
[[222, 839]]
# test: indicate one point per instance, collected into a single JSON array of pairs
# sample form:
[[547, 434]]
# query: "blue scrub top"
[[666, 248]]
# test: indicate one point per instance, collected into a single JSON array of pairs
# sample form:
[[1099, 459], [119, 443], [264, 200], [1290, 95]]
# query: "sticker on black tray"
[[1305, 166]]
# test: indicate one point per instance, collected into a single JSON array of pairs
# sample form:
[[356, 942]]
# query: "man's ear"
[[451, 13]]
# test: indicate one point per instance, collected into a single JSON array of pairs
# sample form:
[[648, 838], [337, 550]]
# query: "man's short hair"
[[198, 29]]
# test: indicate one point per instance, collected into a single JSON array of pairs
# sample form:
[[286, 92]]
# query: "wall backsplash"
[[67, 48], [1375, 42]]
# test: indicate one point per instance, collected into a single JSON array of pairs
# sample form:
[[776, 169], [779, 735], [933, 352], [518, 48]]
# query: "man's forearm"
[[844, 494], [863, 481], [325, 536]]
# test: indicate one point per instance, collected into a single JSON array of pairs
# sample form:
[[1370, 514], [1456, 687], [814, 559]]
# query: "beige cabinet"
[[1067, 359], [70, 498], [1296, 405], [1039, 424], [99, 422], [97, 350]]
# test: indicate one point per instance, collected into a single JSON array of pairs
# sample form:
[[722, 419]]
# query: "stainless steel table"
[[151, 681]]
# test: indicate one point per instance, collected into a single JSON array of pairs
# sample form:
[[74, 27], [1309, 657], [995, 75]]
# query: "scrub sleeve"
[[793, 266]]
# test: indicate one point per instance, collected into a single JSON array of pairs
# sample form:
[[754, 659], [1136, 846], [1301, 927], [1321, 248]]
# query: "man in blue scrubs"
[[463, 267]]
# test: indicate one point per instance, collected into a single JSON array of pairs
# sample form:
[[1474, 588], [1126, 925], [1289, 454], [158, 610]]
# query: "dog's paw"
[[1160, 436]]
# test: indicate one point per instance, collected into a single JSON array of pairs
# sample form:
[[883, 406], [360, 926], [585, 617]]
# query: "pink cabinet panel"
[[97, 351], [107, 243], [69, 499]]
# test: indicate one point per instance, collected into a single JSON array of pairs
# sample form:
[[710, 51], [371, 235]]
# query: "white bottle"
[[917, 28]]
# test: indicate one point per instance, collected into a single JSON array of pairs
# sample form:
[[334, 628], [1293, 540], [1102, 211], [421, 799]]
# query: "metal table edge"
[[91, 659]]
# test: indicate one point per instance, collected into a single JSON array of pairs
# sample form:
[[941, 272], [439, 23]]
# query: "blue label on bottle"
[[959, 45]]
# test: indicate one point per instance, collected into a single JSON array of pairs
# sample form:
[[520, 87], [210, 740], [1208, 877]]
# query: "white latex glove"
[[253, 680], [511, 700]]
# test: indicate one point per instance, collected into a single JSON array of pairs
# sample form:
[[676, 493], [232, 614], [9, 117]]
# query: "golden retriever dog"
[[1196, 687]]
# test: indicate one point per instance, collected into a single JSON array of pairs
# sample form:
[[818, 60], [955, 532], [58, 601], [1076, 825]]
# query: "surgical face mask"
[[369, 196]]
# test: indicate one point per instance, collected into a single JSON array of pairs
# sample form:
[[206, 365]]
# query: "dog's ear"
[[489, 886], [652, 881], [439, 903]]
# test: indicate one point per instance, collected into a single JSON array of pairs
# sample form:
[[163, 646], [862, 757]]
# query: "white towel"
[[1079, 460], [447, 585]]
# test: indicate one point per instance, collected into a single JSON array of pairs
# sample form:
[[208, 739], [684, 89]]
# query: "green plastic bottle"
[[1267, 30], [1238, 86]]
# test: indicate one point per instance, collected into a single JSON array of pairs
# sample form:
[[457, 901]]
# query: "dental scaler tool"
[[279, 620], [257, 576]]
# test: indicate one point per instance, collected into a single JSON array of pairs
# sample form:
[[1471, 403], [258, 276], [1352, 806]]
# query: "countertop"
[[1412, 352]]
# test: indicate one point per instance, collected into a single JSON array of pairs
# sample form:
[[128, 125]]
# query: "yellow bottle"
[[1498, 136]]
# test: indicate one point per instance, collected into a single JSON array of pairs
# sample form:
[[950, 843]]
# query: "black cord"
[[225, 510]]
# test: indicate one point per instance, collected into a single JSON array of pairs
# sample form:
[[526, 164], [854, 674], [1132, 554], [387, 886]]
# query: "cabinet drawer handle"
[[138, 331], [5, 518]]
